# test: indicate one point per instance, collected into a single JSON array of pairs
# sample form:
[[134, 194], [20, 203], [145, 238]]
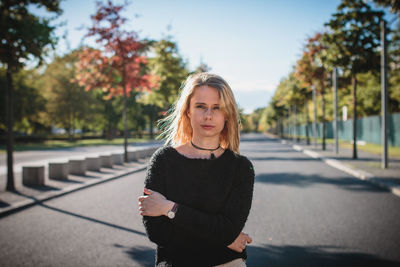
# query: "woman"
[[198, 189]]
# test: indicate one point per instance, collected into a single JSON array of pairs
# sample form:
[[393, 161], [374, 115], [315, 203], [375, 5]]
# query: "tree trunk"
[[354, 83], [314, 116], [323, 118], [307, 120], [10, 131], [125, 129], [151, 122]]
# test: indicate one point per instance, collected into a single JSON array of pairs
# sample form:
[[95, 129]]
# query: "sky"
[[252, 44]]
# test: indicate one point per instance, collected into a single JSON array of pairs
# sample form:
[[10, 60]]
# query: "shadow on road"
[[4, 204], [293, 179], [270, 256], [92, 219], [43, 188], [283, 158], [144, 256]]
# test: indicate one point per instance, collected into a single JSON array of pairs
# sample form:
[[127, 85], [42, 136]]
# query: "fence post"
[[335, 113], [384, 162]]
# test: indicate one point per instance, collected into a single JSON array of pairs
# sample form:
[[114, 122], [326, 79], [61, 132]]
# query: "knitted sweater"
[[214, 198]]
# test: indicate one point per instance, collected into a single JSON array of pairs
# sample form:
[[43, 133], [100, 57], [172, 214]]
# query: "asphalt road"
[[305, 213]]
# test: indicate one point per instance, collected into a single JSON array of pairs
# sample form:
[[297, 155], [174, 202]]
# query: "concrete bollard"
[[118, 158], [59, 171], [141, 154], [77, 166], [133, 156], [93, 164], [33, 175], [106, 161]]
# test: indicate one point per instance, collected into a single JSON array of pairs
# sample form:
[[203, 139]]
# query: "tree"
[[171, 71], [69, 106], [118, 68], [394, 5], [311, 72], [23, 37], [352, 44]]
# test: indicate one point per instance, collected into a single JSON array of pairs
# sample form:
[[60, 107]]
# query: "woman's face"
[[205, 115]]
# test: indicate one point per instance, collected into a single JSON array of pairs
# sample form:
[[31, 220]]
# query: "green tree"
[[393, 5], [29, 114], [68, 106], [23, 37], [311, 71], [170, 69], [352, 44]]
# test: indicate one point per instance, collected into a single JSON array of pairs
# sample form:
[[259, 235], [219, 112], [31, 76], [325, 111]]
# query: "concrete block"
[[33, 175], [59, 171], [141, 153], [133, 155], [93, 164], [118, 158], [106, 161], [77, 166]]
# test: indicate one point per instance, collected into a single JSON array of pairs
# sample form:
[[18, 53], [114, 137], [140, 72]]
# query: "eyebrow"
[[197, 103]]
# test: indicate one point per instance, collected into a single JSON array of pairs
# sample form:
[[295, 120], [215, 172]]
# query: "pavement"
[[26, 196], [366, 167]]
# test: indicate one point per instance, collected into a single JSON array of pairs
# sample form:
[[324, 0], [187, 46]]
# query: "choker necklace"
[[208, 149]]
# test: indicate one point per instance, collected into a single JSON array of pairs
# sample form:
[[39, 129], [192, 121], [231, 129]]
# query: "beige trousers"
[[235, 263]]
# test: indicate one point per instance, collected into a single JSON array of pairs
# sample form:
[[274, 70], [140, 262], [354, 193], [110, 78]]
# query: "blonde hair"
[[176, 127]]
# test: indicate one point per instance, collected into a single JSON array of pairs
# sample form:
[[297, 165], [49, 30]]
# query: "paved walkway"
[[366, 167], [25, 196]]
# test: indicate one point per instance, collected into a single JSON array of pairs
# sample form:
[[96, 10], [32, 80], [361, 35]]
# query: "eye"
[[216, 108], [200, 106]]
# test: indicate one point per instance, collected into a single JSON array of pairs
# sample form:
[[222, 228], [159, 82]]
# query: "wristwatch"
[[171, 213]]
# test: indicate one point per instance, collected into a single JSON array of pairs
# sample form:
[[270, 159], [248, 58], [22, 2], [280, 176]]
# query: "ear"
[[188, 113]]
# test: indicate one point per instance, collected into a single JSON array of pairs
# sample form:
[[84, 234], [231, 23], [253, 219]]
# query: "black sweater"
[[214, 198]]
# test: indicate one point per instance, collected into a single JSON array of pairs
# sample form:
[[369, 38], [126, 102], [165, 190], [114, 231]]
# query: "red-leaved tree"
[[118, 66]]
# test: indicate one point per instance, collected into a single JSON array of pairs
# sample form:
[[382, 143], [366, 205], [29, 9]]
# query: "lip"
[[207, 127]]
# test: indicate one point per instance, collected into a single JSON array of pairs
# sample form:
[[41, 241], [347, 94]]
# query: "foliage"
[[23, 35], [354, 36], [29, 114], [393, 5], [171, 71], [69, 106], [117, 69]]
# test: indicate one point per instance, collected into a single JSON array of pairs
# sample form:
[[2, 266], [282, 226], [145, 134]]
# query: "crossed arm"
[[224, 228]]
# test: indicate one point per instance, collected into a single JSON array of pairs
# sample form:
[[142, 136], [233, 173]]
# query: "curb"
[[18, 206], [360, 174]]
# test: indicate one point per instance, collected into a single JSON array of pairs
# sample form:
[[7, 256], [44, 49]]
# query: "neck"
[[208, 143]]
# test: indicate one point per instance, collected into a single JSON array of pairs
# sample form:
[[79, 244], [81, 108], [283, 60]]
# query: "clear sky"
[[253, 44]]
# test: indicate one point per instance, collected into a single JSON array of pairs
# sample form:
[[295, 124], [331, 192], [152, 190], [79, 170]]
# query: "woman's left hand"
[[154, 204]]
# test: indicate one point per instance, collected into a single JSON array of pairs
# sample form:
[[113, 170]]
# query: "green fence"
[[369, 129]]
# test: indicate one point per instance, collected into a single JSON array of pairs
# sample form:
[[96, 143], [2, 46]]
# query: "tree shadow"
[[293, 179], [4, 204], [144, 256], [258, 139], [43, 188], [272, 150], [300, 158], [92, 219], [326, 256], [80, 216]]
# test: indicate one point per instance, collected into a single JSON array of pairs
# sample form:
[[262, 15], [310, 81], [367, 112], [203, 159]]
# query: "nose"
[[208, 113]]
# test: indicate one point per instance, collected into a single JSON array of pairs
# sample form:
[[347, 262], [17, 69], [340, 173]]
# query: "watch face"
[[171, 214]]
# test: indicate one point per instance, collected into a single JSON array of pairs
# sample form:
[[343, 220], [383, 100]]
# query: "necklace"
[[212, 156]]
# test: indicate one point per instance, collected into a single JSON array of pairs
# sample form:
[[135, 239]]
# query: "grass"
[[374, 148], [54, 144], [368, 147]]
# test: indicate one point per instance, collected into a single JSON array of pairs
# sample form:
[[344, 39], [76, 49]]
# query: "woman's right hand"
[[240, 242]]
